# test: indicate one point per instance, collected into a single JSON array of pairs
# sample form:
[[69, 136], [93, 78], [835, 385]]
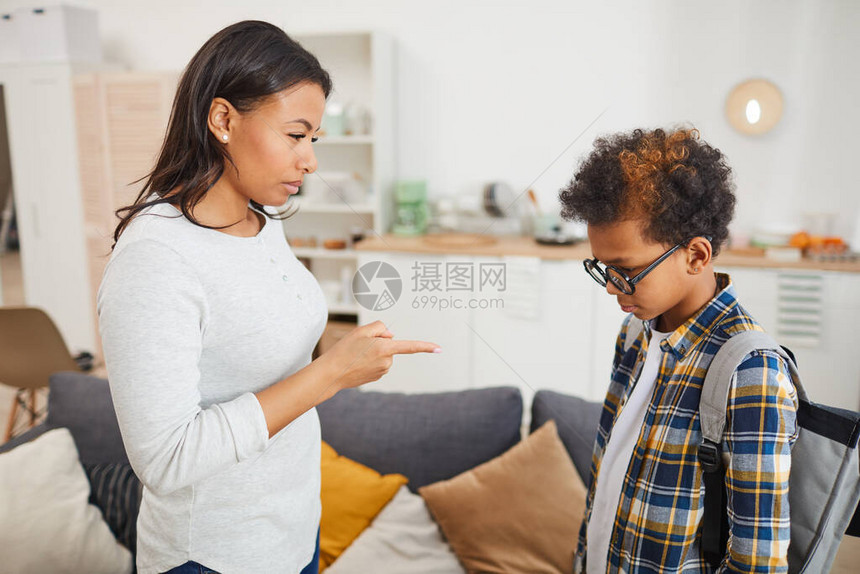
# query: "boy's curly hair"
[[680, 186]]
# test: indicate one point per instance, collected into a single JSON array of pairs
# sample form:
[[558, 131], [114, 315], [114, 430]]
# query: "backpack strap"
[[713, 405], [715, 390]]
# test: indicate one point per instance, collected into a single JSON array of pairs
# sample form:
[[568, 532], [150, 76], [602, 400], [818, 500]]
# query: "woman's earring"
[[224, 137]]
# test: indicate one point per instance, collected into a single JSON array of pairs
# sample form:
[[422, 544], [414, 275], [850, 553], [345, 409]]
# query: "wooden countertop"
[[528, 247]]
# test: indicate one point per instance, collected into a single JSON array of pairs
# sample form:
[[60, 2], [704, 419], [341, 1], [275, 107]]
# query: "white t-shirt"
[[616, 458], [193, 322]]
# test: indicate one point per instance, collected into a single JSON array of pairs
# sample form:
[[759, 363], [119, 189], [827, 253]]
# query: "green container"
[[411, 212]]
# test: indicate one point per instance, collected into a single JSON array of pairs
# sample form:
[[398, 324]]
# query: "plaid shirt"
[[658, 522]]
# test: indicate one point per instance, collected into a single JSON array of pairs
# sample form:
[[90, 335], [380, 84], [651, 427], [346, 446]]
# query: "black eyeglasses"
[[620, 280]]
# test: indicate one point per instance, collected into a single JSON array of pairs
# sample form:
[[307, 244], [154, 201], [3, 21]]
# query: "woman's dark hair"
[[244, 63], [680, 186]]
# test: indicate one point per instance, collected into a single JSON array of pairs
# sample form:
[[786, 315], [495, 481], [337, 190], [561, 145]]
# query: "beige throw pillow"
[[519, 512], [46, 522]]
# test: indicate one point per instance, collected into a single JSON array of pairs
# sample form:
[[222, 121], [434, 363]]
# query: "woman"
[[208, 320]]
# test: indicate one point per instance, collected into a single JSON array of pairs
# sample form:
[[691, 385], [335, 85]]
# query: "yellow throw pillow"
[[352, 495], [519, 512]]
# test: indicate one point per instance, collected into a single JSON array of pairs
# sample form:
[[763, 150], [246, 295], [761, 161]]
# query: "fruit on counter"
[[818, 243], [800, 239]]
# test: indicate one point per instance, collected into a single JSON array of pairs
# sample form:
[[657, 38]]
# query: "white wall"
[[498, 90]]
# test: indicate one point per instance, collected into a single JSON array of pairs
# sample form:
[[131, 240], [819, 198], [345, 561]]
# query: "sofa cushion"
[[520, 512], [352, 495], [82, 404], [46, 524], [24, 437], [116, 491], [426, 437], [402, 538], [577, 421]]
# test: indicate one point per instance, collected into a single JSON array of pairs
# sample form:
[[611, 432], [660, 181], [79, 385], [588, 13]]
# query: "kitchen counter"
[[528, 247]]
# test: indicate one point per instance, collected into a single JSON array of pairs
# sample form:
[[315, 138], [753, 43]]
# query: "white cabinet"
[[46, 182], [550, 349], [756, 290], [418, 314], [815, 314], [563, 338], [78, 139], [608, 318], [361, 66], [551, 327]]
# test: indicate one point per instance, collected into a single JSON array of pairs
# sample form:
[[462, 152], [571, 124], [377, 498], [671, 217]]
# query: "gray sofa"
[[426, 437]]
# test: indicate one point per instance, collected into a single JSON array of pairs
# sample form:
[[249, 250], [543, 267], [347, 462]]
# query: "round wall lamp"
[[754, 107]]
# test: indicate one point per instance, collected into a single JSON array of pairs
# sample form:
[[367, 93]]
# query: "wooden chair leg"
[[12, 415]]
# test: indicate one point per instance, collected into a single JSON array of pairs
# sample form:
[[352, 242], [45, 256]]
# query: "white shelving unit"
[[99, 130], [40, 109], [361, 68], [80, 134]]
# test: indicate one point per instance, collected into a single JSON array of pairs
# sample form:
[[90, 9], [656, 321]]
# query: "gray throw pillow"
[[116, 490], [577, 421], [82, 404]]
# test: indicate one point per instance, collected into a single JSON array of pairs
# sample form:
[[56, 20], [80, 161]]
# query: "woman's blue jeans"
[[195, 568]]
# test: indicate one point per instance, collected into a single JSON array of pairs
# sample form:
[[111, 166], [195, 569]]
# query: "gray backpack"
[[825, 469]]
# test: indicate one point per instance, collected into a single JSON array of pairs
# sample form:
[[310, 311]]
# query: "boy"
[[657, 205]]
